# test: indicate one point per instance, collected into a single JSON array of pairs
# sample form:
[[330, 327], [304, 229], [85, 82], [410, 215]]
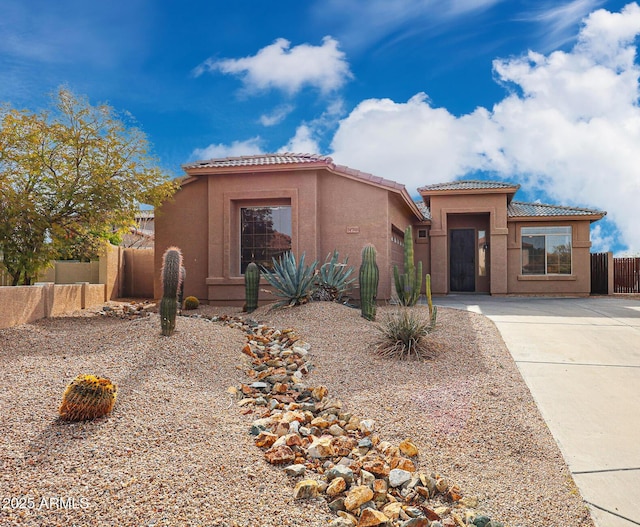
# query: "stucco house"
[[470, 235]]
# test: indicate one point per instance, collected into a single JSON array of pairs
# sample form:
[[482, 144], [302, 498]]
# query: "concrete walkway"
[[581, 361]]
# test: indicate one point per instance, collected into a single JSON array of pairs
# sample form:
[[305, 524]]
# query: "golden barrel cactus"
[[87, 397]]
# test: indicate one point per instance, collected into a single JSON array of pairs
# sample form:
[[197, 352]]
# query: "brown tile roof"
[[518, 209], [273, 160], [469, 185], [286, 158], [422, 207]]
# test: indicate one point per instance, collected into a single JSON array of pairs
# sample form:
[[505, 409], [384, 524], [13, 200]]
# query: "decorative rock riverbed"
[[337, 456]]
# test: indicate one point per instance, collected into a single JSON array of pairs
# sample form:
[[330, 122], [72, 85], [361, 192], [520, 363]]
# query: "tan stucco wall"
[[138, 273], [328, 212], [111, 267], [450, 206], [183, 222], [578, 283], [25, 304]]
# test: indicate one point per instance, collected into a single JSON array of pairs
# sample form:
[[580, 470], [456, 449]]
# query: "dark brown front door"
[[462, 262]]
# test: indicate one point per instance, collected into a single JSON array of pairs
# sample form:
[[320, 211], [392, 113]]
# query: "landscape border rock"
[[365, 480]]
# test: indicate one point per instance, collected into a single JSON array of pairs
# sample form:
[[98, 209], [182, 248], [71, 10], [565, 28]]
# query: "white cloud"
[[302, 141], [278, 115], [282, 67], [600, 240], [571, 126], [361, 23], [237, 148], [558, 20]]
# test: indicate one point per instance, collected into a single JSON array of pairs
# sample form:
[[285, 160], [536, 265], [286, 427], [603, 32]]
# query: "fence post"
[[610, 273]]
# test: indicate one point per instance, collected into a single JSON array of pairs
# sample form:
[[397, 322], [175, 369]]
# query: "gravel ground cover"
[[176, 450]]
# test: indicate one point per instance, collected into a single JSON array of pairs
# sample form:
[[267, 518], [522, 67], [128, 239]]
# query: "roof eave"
[[556, 218]]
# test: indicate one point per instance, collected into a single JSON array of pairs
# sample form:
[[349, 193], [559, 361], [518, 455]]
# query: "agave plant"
[[332, 280], [293, 282]]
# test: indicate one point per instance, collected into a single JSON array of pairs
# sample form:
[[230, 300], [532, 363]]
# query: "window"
[[546, 250], [265, 233]]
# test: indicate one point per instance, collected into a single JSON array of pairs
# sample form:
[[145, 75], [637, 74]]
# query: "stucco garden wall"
[[25, 304]]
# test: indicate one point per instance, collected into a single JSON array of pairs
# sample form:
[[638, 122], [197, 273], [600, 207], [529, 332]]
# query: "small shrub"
[[191, 302], [293, 282], [332, 280], [403, 332]]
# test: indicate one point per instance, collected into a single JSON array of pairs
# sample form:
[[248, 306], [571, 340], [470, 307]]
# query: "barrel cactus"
[[369, 277], [87, 397], [171, 284], [191, 302], [251, 283]]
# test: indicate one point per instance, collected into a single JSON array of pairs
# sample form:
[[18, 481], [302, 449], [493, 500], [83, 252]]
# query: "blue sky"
[[543, 93]]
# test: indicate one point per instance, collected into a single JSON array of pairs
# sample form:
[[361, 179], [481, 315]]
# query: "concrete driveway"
[[581, 361]]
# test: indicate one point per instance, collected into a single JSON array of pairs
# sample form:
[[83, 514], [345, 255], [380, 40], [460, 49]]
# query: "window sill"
[[547, 277]]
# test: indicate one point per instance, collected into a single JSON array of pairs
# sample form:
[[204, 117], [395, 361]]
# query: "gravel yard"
[[176, 449]]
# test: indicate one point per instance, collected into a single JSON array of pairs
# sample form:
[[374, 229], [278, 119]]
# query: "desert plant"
[[251, 283], [332, 280], [369, 276], [171, 266], [293, 282], [433, 310], [87, 397], [183, 276], [409, 283], [403, 331], [191, 302]]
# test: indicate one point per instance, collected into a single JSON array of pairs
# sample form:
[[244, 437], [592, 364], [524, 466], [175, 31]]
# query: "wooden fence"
[[626, 275]]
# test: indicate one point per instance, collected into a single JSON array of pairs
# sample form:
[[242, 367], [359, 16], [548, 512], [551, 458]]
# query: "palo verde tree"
[[70, 178]]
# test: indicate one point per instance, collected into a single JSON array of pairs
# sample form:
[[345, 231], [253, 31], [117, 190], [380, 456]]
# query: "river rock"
[[321, 448], [337, 486], [367, 426], [357, 496], [281, 455], [398, 477], [306, 489], [408, 448], [372, 518], [340, 471], [392, 510], [295, 470]]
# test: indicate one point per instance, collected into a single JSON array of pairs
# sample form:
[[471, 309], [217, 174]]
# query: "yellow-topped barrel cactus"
[[87, 397]]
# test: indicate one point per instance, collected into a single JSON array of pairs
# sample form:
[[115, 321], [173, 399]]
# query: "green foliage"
[[403, 331], [69, 177], [433, 310], [191, 302], [409, 283], [171, 277], [369, 276], [332, 280], [293, 282], [251, 286]]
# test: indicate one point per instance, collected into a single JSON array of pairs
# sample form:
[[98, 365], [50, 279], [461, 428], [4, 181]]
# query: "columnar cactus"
[[409, 283], [87, 397], [433, 310], [183, 276], [251, 283], [171, 283], [369, 277]]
